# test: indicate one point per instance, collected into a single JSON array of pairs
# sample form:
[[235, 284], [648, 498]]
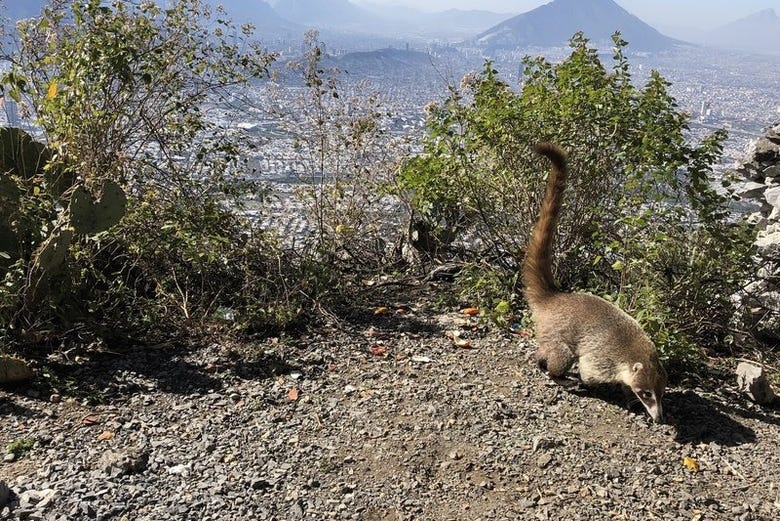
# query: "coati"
[[608, 344]]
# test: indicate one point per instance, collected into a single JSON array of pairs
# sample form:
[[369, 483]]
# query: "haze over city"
[[695, 14]]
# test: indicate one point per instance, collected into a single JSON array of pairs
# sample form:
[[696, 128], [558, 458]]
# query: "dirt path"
[[385, 420]]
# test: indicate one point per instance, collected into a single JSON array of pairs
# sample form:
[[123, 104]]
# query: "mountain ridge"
[[553, 24], [758, 32], [328, 12]]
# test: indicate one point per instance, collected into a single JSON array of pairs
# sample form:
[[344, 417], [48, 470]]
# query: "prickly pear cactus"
[[90, 216], [9, 202], [21, 154], [51, 254], [9, 192], [9, 246]]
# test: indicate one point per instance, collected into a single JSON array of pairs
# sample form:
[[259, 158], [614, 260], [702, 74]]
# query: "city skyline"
[[694, 14]]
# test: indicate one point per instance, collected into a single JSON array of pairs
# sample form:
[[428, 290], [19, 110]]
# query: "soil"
[[382, 417]]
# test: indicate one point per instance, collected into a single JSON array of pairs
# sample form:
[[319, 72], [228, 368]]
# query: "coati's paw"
[[567, 382]]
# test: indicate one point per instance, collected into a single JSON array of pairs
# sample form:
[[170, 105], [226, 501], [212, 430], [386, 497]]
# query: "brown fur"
[[608, 344]]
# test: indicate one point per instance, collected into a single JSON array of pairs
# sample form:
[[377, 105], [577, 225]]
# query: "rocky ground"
[[380, 418]]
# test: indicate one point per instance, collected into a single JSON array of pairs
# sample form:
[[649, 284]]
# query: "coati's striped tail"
[[537, 270]]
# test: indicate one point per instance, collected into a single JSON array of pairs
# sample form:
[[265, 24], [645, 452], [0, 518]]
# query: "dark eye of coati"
[[647, 395]]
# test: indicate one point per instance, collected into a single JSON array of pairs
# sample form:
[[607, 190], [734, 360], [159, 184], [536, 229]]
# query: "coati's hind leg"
[[556, 360]]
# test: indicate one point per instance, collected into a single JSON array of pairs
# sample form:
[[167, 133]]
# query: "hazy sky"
[[699, 14]]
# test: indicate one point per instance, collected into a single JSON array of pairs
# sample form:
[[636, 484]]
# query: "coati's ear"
[[637, 367]]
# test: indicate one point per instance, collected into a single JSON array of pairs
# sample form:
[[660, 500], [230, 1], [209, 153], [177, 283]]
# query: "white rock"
[[47, 496], [768, 241], [36, 498], [771, 171], [753, 382], [13, 370], [772, 196], [179, 470], [751, 190], [757, 218]]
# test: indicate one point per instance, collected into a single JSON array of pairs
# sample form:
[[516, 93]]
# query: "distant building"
[[11, 112], [706, 110]]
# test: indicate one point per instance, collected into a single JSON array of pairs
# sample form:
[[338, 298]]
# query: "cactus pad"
[[90, 216], [51, 254], [21, 154], [9, 246], [9, 192]]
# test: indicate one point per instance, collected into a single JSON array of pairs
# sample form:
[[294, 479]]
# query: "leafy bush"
[[641, 216], [122, 95], [343, 143]]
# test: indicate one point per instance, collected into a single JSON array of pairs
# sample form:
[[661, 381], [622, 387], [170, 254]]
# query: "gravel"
[[321, 426]]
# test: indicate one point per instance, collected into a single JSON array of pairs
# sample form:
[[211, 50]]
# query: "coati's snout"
[[648, 382]]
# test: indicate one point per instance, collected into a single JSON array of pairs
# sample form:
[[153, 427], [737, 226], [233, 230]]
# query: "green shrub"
[[641, 216], [342, 141], [121, 92]]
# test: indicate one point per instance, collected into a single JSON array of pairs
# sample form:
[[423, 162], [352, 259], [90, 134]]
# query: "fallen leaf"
[[462, 343], [691, 464], [378, 350], [401, 310], [293, 394], [90, 420], [421, 359], [470, 311], [381, 310], [106, 435]]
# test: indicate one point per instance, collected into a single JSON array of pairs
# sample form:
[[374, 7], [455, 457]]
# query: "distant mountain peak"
[[554, 23], [758, 32], [764, 14], [328, 12]]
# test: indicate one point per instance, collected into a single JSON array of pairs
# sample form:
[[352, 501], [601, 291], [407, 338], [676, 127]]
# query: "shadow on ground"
[[11, 409], [698, 419], [695, 418], [103, 376]]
